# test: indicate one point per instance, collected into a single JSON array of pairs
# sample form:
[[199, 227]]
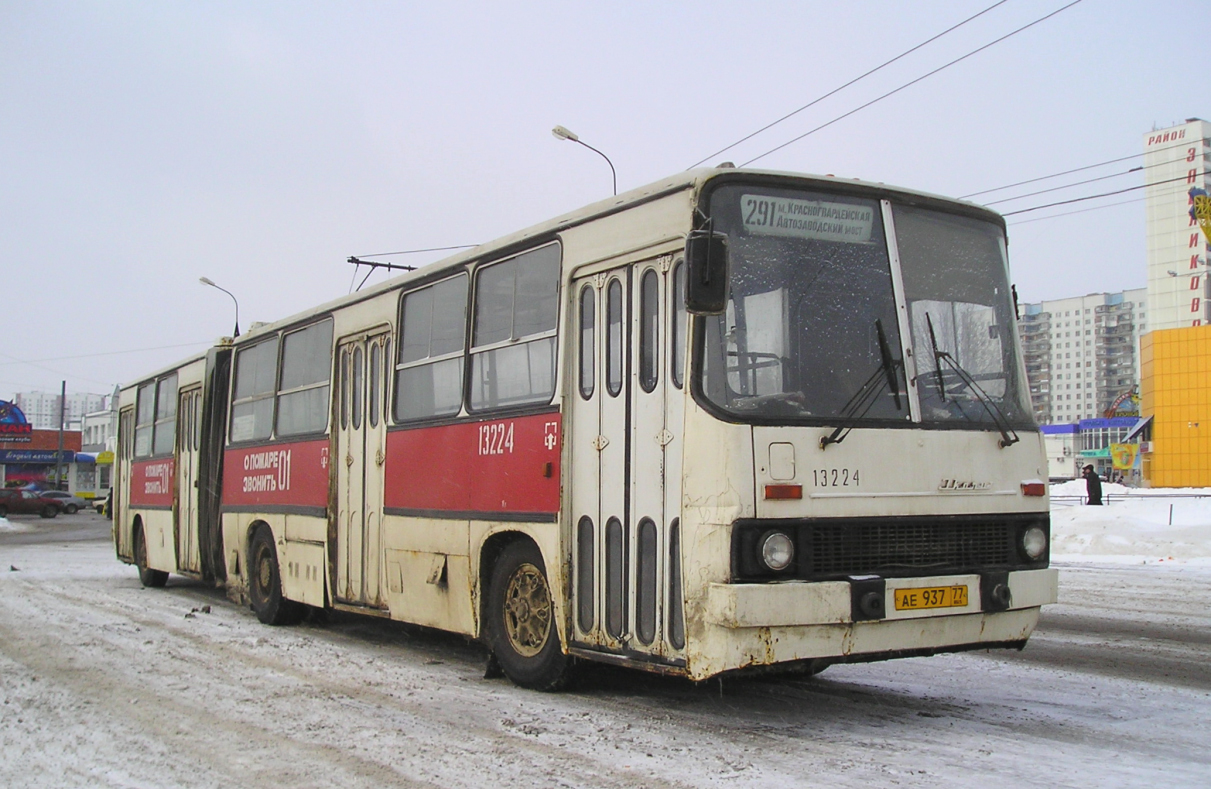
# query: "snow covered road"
[[104, 683]]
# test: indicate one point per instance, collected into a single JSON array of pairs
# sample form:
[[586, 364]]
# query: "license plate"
[[932, 597]]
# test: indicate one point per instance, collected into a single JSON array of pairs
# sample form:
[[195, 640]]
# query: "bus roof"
[[694, 179]]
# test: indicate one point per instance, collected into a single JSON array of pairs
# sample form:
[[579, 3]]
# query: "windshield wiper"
[[1009, 436], [868, 394], [889, 365], [937, 358]]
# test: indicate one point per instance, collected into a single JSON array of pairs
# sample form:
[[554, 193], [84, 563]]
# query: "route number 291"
[[496, 438]]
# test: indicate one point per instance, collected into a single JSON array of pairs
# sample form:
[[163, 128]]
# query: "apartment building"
[[1082, 354]]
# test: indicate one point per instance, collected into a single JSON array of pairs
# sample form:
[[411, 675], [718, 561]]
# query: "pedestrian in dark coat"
[[1093, 486]]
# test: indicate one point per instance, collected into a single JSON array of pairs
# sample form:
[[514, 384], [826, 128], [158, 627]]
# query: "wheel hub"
[[527, 611], [264, 573]]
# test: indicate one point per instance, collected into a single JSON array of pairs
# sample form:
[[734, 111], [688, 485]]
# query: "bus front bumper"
[[764, 624]]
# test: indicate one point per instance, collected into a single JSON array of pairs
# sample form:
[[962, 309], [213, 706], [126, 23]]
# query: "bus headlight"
[[777, 551], [1034, 542]]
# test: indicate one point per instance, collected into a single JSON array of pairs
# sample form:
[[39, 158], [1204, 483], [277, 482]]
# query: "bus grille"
[[862, 549], [903, 546]]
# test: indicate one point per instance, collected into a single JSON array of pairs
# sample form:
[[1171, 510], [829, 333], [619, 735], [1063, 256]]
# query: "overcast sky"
[[144, 145]]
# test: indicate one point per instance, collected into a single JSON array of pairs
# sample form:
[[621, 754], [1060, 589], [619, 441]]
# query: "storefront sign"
[[36, 456], [13, 424]]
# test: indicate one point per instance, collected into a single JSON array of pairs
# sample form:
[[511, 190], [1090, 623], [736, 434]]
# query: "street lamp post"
[[206, 281], [562, 133]]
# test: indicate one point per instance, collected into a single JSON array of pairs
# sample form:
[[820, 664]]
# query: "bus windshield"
[[810, 333]]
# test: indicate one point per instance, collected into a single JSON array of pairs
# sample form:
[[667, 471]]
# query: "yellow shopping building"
[[1175, 394]]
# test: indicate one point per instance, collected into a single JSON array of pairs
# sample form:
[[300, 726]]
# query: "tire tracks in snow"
[[444, 733]]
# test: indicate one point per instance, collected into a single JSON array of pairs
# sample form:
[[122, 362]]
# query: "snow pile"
[[7, 525], [1134, 527]]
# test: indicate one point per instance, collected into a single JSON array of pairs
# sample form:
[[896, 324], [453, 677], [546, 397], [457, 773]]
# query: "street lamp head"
[[562, 133], [211, 283]]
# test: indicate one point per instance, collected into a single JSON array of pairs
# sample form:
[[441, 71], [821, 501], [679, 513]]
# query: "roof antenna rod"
[[374, 264]]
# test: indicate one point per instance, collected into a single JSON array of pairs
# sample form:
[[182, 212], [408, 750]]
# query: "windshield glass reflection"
[[810, 287]]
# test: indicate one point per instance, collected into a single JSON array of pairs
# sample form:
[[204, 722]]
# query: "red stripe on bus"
[[277, 474], [498, 465], [152, 482]]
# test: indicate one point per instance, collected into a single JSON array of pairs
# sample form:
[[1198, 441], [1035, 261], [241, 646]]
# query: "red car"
[[27, 501]]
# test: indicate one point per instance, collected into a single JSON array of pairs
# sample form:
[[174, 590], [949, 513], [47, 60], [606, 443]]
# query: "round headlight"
[[777, 551], [1034, 542]]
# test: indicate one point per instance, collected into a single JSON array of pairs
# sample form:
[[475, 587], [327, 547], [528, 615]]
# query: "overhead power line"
[[1078, 211], [1070, 172], [15, 360], [835, 91], [1103, 194], [1067, 186], [913, 82], [415, 251]]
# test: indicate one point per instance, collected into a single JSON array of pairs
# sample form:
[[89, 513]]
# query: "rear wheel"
[[149, 577], [49, 511], [71, 509], [521, 626], [3, 511], [265, 586]]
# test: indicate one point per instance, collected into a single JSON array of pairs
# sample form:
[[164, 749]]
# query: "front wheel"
[[265, 586], [71, 509], [49, 511], [521, 627], [147, 576], [3, 511]]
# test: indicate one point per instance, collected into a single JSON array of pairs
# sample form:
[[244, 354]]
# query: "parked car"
[[67, 502], [17, 501]]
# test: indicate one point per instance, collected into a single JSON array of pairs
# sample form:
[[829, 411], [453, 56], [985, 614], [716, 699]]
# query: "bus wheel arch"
[[148, 577], [265, 579], [519, 622]]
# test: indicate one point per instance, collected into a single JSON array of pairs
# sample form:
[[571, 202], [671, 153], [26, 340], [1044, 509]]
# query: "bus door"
[[626, 428], [189, 417], [361, 445], [121, 481]]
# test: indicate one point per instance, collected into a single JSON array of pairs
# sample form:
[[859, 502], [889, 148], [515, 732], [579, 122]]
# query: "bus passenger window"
[[164, 433], [146, 418], [614, 338], [376, 361], [616, 578], [513, 339], [645, 582], [358, 387], [588, 361], [386, 395], [649, 330], [678, 326], [252, 398], [585, 578], [303, 395], [344, 387], [429, 373]]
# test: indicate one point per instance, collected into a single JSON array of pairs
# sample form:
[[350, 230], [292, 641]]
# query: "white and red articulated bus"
[[731, 420]]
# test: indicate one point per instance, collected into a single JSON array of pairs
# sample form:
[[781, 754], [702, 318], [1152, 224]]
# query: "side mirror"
[[706, 272]]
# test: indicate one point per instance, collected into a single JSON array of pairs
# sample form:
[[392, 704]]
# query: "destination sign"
[[813, 219]]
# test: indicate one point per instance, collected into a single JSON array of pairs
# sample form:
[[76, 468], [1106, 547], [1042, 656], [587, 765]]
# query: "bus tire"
[[150, 578], [522, 632], [265, 583]]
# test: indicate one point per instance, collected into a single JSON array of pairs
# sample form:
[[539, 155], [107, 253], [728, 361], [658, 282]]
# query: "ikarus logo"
[[963, 484]]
